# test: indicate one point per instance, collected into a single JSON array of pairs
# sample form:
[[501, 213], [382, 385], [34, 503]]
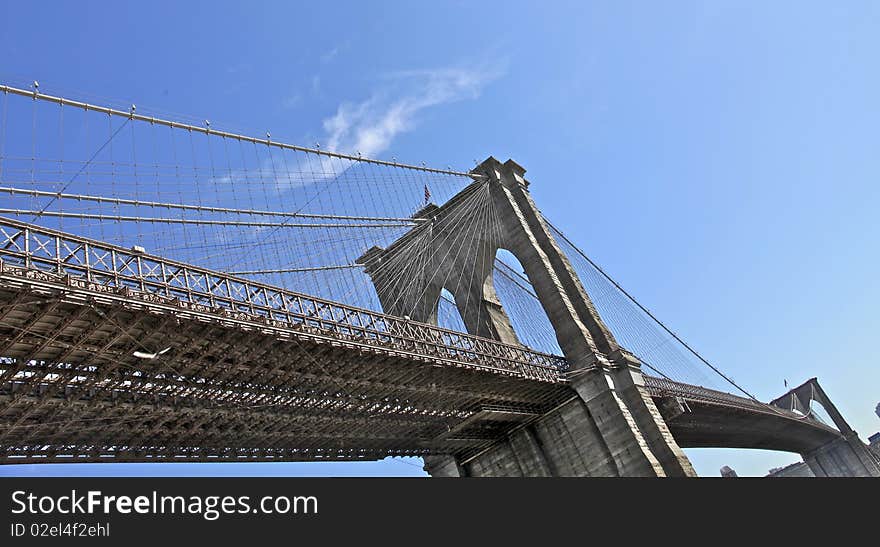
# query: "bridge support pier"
[[630, 383], [443, 466], [609, 428], [617, 421], [847, 456]]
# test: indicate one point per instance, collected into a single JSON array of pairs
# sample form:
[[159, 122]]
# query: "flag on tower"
[[427, 195]]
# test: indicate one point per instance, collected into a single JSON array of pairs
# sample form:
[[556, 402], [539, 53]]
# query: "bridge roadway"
[[256, 373]]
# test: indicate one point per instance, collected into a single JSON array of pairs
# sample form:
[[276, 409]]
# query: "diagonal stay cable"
[[404, 265], [464, 210], [649, 314]]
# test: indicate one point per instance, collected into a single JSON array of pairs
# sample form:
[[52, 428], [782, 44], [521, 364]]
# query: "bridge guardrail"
[[664, 386], [191, 287]]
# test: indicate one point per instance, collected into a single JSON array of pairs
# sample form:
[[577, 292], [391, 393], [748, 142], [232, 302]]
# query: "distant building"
[[799, 469], [874, 444], [728, 473], [874, 440]]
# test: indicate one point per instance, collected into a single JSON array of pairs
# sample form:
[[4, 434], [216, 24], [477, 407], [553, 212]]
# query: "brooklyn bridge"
[[171, 291]]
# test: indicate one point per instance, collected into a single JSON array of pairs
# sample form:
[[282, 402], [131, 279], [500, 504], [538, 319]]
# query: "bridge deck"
[[716, 419], [227, 384], [251, 372]]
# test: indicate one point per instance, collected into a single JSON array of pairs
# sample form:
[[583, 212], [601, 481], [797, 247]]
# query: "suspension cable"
[[297, 270], [165, 220], [649, 314], [207, 208], [209, 131]]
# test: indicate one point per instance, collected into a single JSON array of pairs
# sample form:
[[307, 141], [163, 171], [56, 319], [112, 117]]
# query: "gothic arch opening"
[[818, 412], [518, 299], [448, 316]]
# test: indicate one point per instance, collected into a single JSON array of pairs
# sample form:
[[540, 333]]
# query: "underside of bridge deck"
[[721, 426], [87, 377], [73, 388]]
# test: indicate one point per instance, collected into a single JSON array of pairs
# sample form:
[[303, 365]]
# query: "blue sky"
[[719, 159]]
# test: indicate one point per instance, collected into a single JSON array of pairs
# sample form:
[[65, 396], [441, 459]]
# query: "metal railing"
[[663, 386], [96, 266]]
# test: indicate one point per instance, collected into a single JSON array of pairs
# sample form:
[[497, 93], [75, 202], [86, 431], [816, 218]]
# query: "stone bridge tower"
[[847, 456], [611, 426]]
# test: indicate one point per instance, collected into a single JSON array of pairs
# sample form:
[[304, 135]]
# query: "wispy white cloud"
[[369, 127]]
